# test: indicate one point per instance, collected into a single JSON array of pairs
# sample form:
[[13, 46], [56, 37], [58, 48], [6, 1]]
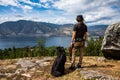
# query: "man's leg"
[[81, 56], [73, 57], [72, 67]]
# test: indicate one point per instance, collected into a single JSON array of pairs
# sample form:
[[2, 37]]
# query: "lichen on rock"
[[111, 42]]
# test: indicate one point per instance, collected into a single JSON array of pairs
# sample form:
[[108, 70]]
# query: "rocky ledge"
[[94, 68]]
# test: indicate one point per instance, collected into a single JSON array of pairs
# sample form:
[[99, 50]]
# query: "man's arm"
[[73, 36], [86, 36]]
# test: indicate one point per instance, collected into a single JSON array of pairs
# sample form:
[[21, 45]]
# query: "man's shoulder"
[[77, 24]]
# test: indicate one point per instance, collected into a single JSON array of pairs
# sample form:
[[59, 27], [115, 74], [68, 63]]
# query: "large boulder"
[[111, 42]]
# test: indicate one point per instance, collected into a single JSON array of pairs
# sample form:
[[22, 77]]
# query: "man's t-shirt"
[[80, 29]]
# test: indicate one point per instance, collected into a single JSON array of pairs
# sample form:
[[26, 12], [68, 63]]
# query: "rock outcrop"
[[95, 75], [23, 69], [111, 42]]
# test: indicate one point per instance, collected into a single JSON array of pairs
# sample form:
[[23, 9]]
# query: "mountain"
[[97, 30], [27, 28], [31, 28]]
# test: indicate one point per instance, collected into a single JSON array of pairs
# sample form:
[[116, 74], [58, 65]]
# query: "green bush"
[[94, 47]]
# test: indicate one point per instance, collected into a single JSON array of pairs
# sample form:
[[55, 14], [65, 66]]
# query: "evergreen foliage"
[[92, 49]]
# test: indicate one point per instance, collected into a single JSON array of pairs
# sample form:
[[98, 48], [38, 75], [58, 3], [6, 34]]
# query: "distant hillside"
[[97, 30], [28, 28], [31, 28], [97, 27]]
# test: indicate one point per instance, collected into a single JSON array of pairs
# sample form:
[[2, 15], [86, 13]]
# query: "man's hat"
[[79, 18]]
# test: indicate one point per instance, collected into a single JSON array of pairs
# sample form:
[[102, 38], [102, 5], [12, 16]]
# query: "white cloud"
[[45, 5], [67, 5], [9, 2], [75, 6], [30, 3], [62, 20], [26, 8], [65, 11], [4, 19], [93, 10], [99, 13], [44, 1]]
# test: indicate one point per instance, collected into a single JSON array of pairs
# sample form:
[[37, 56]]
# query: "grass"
[[109, 67]]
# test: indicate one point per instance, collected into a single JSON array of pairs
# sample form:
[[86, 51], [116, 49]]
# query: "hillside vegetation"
[[92, 49]]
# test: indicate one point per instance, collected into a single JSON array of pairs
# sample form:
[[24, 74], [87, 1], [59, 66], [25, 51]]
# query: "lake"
[[18, 42]]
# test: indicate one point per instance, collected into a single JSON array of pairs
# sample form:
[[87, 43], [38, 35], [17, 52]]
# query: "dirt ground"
[[108, 67]]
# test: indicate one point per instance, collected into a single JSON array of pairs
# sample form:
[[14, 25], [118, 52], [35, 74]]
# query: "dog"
[[58, 68]]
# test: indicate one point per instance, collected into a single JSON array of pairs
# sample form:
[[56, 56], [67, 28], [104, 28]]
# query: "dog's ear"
[[58, 50], [62, 48], [58, 47]]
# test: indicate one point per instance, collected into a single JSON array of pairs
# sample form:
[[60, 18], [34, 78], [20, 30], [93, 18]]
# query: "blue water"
[[18, 42]]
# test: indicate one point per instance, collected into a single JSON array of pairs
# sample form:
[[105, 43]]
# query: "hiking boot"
[[79, 66], [72, 67]]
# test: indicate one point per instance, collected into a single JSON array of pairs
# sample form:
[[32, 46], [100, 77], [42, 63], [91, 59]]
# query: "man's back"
[[80, 29]]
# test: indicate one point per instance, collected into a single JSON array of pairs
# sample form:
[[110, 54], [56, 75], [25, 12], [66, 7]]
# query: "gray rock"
[[25, 66], [95, 75], [44, 60], [19, 71], [26, 63], [26, 75], [111, 42], [101, 59]]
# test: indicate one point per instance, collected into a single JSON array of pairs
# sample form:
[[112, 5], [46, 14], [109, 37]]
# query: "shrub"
[[94, 47]]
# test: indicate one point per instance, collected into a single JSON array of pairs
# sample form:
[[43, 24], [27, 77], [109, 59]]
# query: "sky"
[[95, 12]]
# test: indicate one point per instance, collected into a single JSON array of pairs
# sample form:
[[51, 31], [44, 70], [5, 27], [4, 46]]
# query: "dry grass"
[[109, 67]]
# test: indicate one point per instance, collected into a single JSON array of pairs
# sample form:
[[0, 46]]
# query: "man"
[[78, 40]]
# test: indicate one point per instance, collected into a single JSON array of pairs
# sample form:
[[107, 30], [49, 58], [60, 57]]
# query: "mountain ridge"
[[32, 28]]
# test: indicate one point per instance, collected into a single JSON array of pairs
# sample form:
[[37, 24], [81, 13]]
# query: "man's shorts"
[[78, 45]]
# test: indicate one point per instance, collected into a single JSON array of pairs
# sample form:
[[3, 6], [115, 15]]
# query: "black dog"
[[58, 65]]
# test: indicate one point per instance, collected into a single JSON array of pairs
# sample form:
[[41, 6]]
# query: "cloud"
[[3, 19], [15, 3], [30, 3], [61, 20], [26, 8], [13, 9], [26, 5], [102, 11], [10, 2], [77, 6], [45, 1], [64, 11], [19, 16], [41, 3]]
